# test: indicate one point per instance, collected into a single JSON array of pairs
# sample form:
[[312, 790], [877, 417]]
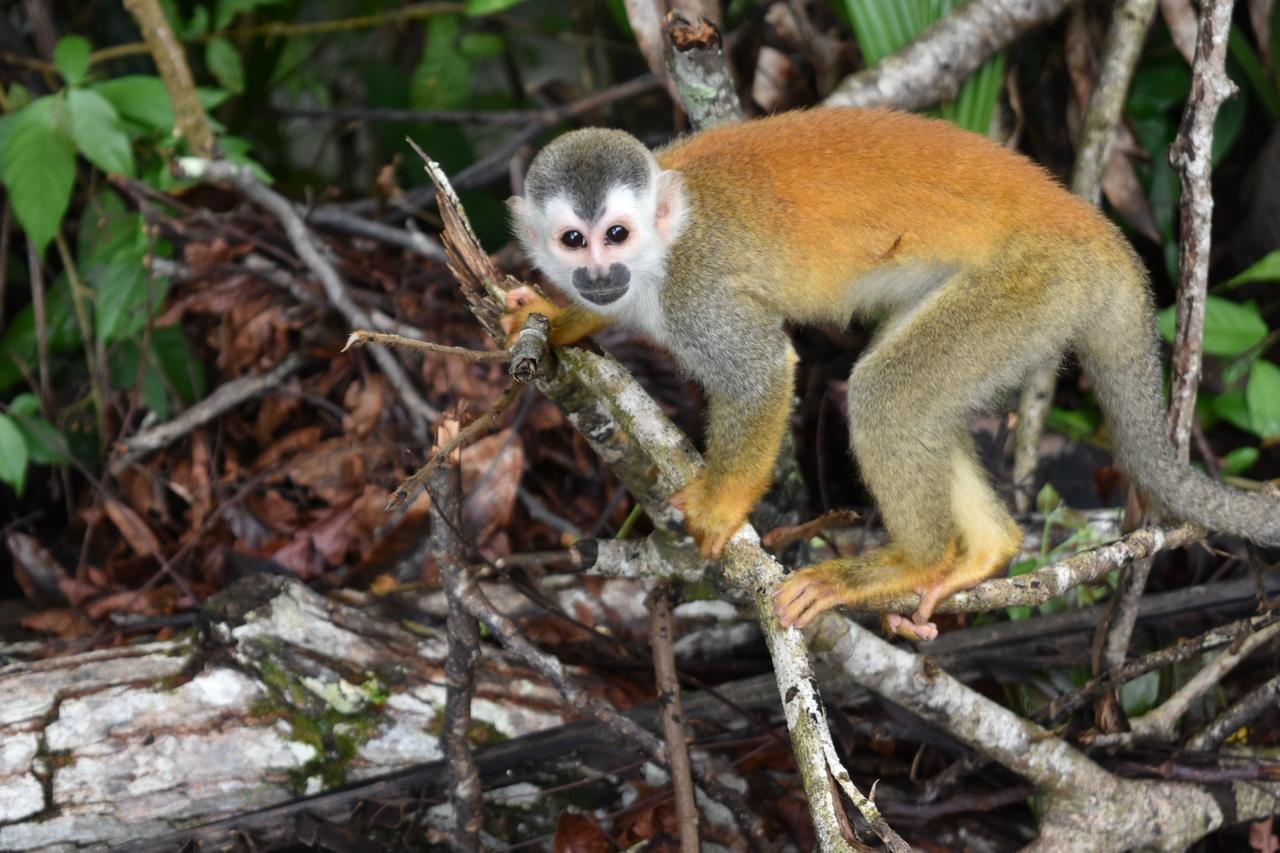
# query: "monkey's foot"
[[712, 522], [805, 595], [909, 629]]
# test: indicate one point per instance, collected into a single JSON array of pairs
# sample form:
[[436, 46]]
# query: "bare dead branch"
[[225, 397], [703, 80], [661, 630], [1160, 723], [1192, 155], [933, 67], [463, 633]]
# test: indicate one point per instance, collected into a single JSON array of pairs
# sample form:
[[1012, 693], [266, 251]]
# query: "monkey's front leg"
[[746, 425]]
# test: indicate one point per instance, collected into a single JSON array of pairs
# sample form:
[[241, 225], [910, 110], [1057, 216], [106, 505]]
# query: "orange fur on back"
[[836, 193]]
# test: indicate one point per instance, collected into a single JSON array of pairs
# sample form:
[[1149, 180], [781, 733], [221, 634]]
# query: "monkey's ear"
[[520, 219], [672, 204]]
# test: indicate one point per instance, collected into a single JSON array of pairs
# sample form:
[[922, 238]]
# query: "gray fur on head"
[[584, 165]]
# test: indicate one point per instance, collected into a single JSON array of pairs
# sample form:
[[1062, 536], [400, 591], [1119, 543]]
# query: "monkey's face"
[[600, 252]]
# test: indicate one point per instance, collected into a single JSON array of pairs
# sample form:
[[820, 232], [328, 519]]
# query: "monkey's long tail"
[[1120, 354]]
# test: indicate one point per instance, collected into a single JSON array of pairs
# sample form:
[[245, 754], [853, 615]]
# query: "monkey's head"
[[599, 215]]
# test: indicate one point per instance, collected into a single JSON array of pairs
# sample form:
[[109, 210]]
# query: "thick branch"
[[934, 66]]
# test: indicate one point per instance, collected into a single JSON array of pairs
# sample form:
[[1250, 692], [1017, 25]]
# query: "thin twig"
[[1192, 155], [1259, 700], [227, 396], [1160, 723], [661, 629], [463, 632], [1184, 649], [360, 337], [410, 487]]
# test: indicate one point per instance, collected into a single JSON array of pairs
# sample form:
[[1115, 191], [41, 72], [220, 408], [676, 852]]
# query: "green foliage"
[[71, 55], [224, 63], [1230, 328], [13, 454], [37, 166], [1266, 269]]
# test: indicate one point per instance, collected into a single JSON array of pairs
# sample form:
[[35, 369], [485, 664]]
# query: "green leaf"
[[224, 63], [1159, 87], [1140, 695], [488, 7], [45, 445], [98, 134], [1267, 269], [1230, 328], [1263, 396], [121, 294], [443, 76], [481, 45], [185, 372], [1238, 461], [13, 455], [140, 98], [38, 167], [1234, 409], [1245, 56], [71, 55], [106, 227]]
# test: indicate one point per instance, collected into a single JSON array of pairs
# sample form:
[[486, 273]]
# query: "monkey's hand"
[[568, 325], [521, 302], [711, 514]]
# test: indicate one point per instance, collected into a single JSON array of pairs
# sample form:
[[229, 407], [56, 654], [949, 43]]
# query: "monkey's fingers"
[[518, 296]]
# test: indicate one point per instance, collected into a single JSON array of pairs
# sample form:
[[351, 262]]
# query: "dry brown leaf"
[[287, 445], [36, 570], [365, 402], [491, 471], [274, 410], [1122, 188], [156, 601], [62, 622], [135, 531], [576, 833], [336, 469], [321, 545]]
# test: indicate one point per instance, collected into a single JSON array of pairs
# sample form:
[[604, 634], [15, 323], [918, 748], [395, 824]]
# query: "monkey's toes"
[[800, 599], [909, 629]]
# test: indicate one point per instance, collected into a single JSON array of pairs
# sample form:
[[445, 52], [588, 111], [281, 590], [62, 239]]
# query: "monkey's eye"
[[617, 234], [573, 239]]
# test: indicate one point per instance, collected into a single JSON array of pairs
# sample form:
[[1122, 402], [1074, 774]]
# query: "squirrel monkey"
[[983, 267]]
